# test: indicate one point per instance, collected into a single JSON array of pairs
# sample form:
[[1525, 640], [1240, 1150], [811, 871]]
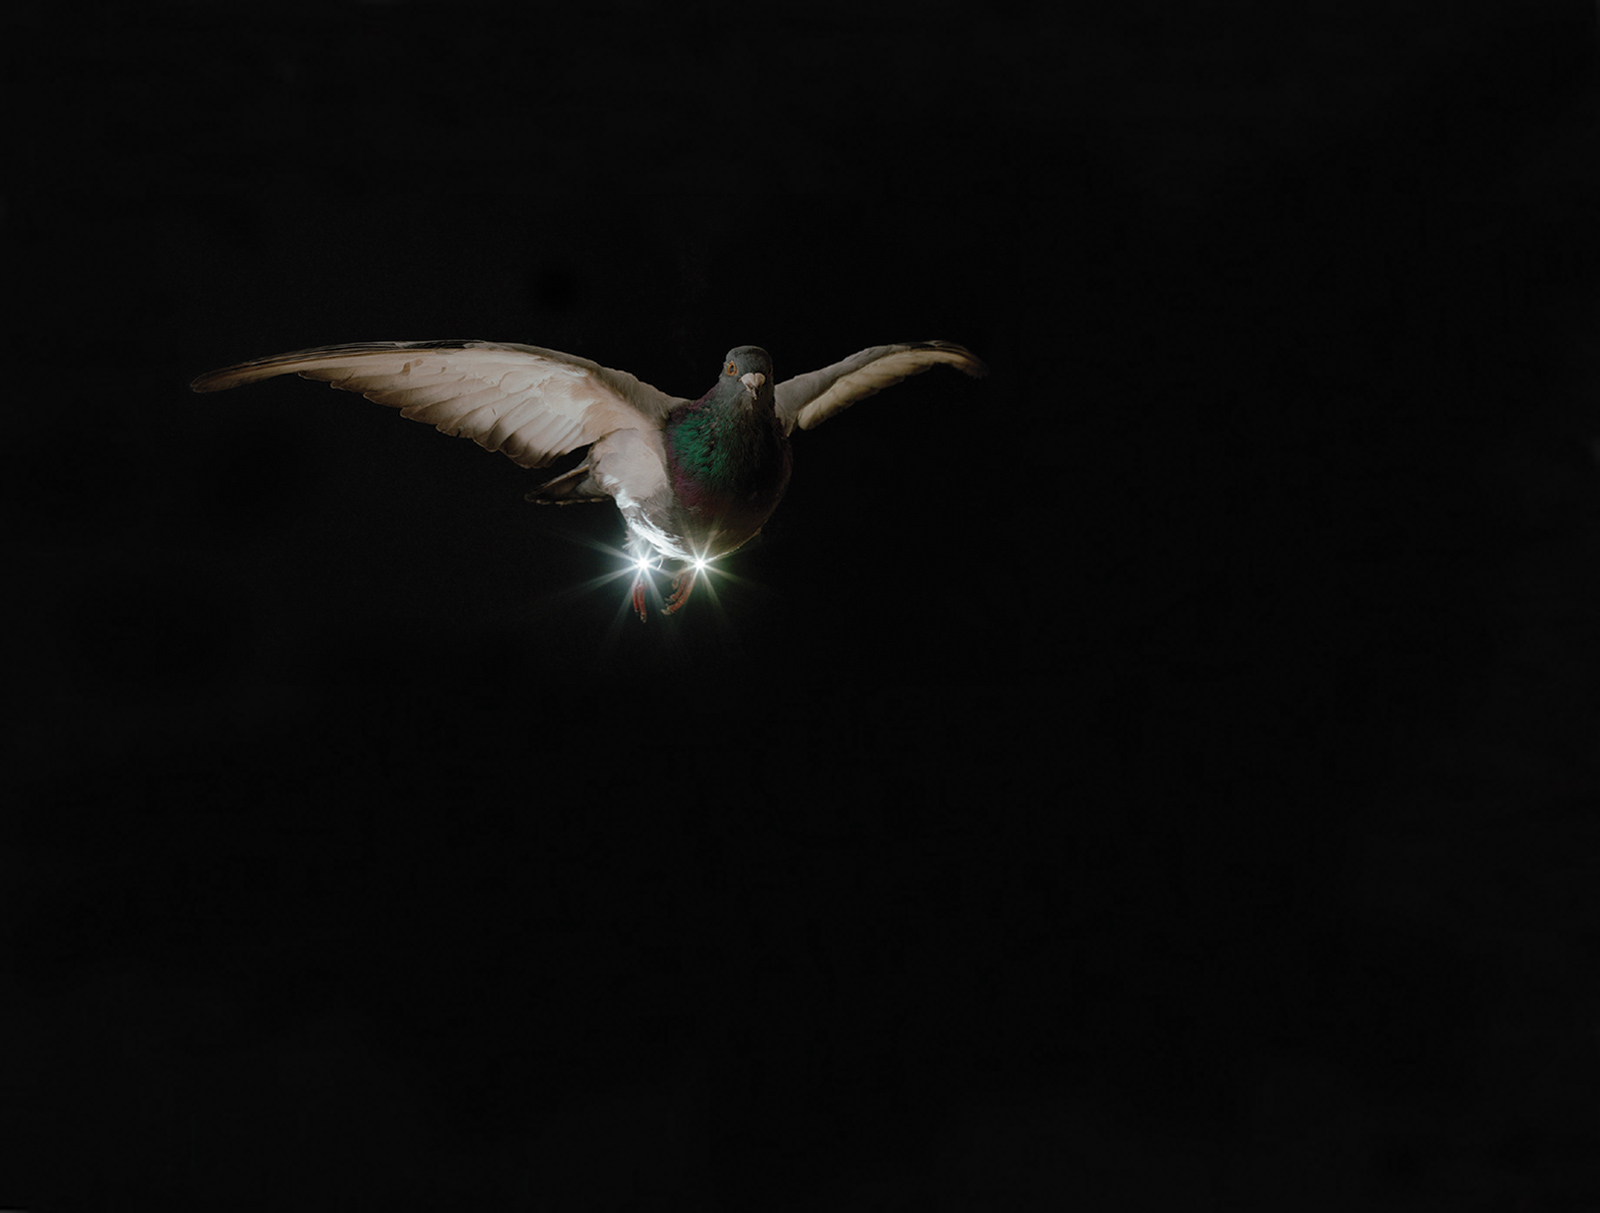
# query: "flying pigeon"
[[694, 479]]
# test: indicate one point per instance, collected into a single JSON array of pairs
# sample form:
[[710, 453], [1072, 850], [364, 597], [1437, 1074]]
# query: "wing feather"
[[532, 404], [809, 400]]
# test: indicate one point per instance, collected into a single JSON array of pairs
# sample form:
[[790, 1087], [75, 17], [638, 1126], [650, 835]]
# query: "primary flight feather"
[[693, 479]]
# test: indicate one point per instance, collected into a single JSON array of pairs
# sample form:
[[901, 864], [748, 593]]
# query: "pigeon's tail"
[[569, 488]]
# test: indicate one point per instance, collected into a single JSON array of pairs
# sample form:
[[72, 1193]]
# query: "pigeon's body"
[[693, 479], [725, 459], [729, 462]]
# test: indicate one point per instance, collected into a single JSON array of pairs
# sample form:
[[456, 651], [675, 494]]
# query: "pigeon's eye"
[[731, 368]]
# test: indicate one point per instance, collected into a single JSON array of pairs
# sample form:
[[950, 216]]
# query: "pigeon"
[[693, 479]]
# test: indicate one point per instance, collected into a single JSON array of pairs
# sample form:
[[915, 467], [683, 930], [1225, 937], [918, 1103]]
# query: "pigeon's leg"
[[682, 587], [643, 565]]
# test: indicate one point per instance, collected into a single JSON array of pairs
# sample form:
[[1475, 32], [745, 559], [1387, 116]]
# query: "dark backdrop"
[[1161, 774]]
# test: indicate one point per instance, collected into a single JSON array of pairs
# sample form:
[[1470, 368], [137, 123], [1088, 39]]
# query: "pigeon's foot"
[[682, 587], [638, 596]]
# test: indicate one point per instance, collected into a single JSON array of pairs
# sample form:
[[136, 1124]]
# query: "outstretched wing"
[[808, 400], [529, 403]]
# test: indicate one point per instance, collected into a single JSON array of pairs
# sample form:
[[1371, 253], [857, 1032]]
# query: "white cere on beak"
[[753, 380]]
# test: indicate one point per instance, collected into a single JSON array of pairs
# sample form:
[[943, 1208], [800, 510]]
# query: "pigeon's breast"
[[727, 478], [715, 522]]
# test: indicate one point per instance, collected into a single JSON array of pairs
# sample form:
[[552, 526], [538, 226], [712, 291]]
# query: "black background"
[[1162, 774]]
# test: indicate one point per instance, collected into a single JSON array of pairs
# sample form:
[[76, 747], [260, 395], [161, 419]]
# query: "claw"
[[682, 587], [638, 596]]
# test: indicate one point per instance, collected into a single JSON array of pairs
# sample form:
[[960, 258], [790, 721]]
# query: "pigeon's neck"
[[722, 450]]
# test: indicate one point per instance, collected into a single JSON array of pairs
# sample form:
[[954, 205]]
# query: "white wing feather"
[[529, 403], [809, 400]]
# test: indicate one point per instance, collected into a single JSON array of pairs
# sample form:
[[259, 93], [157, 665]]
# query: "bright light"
[[642, 563], [701, 564]]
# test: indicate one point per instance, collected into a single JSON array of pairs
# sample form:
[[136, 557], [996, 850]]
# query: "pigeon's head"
[[750, 366]]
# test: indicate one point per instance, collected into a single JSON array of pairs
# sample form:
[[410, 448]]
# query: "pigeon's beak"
[[753, 381]]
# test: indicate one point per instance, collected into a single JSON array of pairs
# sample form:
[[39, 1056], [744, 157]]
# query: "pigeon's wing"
[[808, 400], [528, 403]]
